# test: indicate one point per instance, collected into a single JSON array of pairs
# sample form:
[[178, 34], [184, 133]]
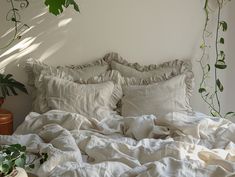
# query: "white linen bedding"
[[175, 145]]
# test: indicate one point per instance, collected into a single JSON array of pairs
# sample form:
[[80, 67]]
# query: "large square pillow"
[[137, 74], [157, 99]]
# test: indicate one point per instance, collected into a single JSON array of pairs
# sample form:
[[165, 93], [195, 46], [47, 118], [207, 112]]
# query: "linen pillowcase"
[[34, 68], [158, 98], [39, 103], [113, 76], [141, 74], [90, 100]]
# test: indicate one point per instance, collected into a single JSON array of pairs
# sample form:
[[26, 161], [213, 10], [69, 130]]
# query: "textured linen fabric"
[[91, 100], [153, 72], [39, 94], [158, 99], [35, 69], [113, 76], [174, 145]]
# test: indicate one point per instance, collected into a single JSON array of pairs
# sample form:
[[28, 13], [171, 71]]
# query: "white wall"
[[144, 31]]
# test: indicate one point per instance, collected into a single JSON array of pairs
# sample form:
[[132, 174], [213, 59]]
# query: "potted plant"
[[13, 160], [9, 86]]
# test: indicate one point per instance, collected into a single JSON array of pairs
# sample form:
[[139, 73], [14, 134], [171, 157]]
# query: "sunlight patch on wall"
[[64, 22], [18, 55], [7, 32], [19, 46], [51, 51], [39, 15]]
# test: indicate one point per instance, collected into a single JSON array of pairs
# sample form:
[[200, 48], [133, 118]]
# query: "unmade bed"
[[113, 118]]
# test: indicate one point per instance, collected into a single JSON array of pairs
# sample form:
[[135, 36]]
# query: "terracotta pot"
[[18, 172], [1, 101]]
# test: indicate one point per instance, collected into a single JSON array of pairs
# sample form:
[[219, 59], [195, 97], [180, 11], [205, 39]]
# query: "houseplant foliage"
[[56, 7], [12, 156], [9, 86], [210, 90]]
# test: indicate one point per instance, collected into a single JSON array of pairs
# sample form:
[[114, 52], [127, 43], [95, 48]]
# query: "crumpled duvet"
[[175, 145]]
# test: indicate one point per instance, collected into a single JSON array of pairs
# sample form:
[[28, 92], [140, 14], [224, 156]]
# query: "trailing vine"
[[13, 15], [211, 93]]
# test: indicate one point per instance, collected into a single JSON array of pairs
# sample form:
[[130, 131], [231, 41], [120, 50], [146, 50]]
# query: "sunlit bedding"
[[115, 118]]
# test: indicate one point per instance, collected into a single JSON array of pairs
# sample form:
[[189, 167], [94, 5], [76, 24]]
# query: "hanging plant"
[[55, 7], [211, 93]]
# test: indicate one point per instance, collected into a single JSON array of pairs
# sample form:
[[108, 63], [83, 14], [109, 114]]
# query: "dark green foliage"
[[219, 85], [9, 86], [201, 90], [56, 6], [14, 155]]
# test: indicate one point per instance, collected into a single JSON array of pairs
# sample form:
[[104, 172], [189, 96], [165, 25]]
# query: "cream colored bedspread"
[[175, 145]]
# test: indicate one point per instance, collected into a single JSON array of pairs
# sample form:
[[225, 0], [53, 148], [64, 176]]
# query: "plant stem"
[[217, 55], [15, 25]]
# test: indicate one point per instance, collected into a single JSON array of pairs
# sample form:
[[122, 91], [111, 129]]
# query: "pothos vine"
[[13, 15], [211, 94]]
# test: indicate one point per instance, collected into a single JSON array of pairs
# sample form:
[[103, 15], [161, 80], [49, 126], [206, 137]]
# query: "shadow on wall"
[[32, 45]]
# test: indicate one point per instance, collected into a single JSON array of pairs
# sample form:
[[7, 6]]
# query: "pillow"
[[34, 68], [39, 103], [90, 100], [158, 98], [152, 73], [113, 76]]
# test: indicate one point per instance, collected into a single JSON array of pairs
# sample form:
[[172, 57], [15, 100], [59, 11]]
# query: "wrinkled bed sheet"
[[175, 145]]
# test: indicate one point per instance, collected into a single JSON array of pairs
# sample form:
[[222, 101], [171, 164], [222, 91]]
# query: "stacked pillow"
[[56, 87], [154, 89], [95, 89]]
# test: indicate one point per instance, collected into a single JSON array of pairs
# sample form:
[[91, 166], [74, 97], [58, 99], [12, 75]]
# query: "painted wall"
[[143, 31]]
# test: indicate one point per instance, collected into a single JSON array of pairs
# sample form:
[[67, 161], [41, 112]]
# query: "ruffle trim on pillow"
[[178, 67], [99, 62], [33, 67]]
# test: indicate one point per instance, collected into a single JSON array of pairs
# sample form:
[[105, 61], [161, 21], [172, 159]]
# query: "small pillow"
[[157, 99], [113, 76], [90, 100], [39, 93]]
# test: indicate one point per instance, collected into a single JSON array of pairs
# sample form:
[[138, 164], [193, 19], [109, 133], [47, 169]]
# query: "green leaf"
[[201, 90], [219, 85], [224, 25], [20, 162], [202, 46], [220, 66], [214, 113], [56, 6], [31, 166], [230, 114], [221, 40], [9, 85], [208, 67], [222, 55]]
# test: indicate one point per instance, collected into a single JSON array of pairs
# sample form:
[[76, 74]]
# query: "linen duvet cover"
[[174, 145]]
